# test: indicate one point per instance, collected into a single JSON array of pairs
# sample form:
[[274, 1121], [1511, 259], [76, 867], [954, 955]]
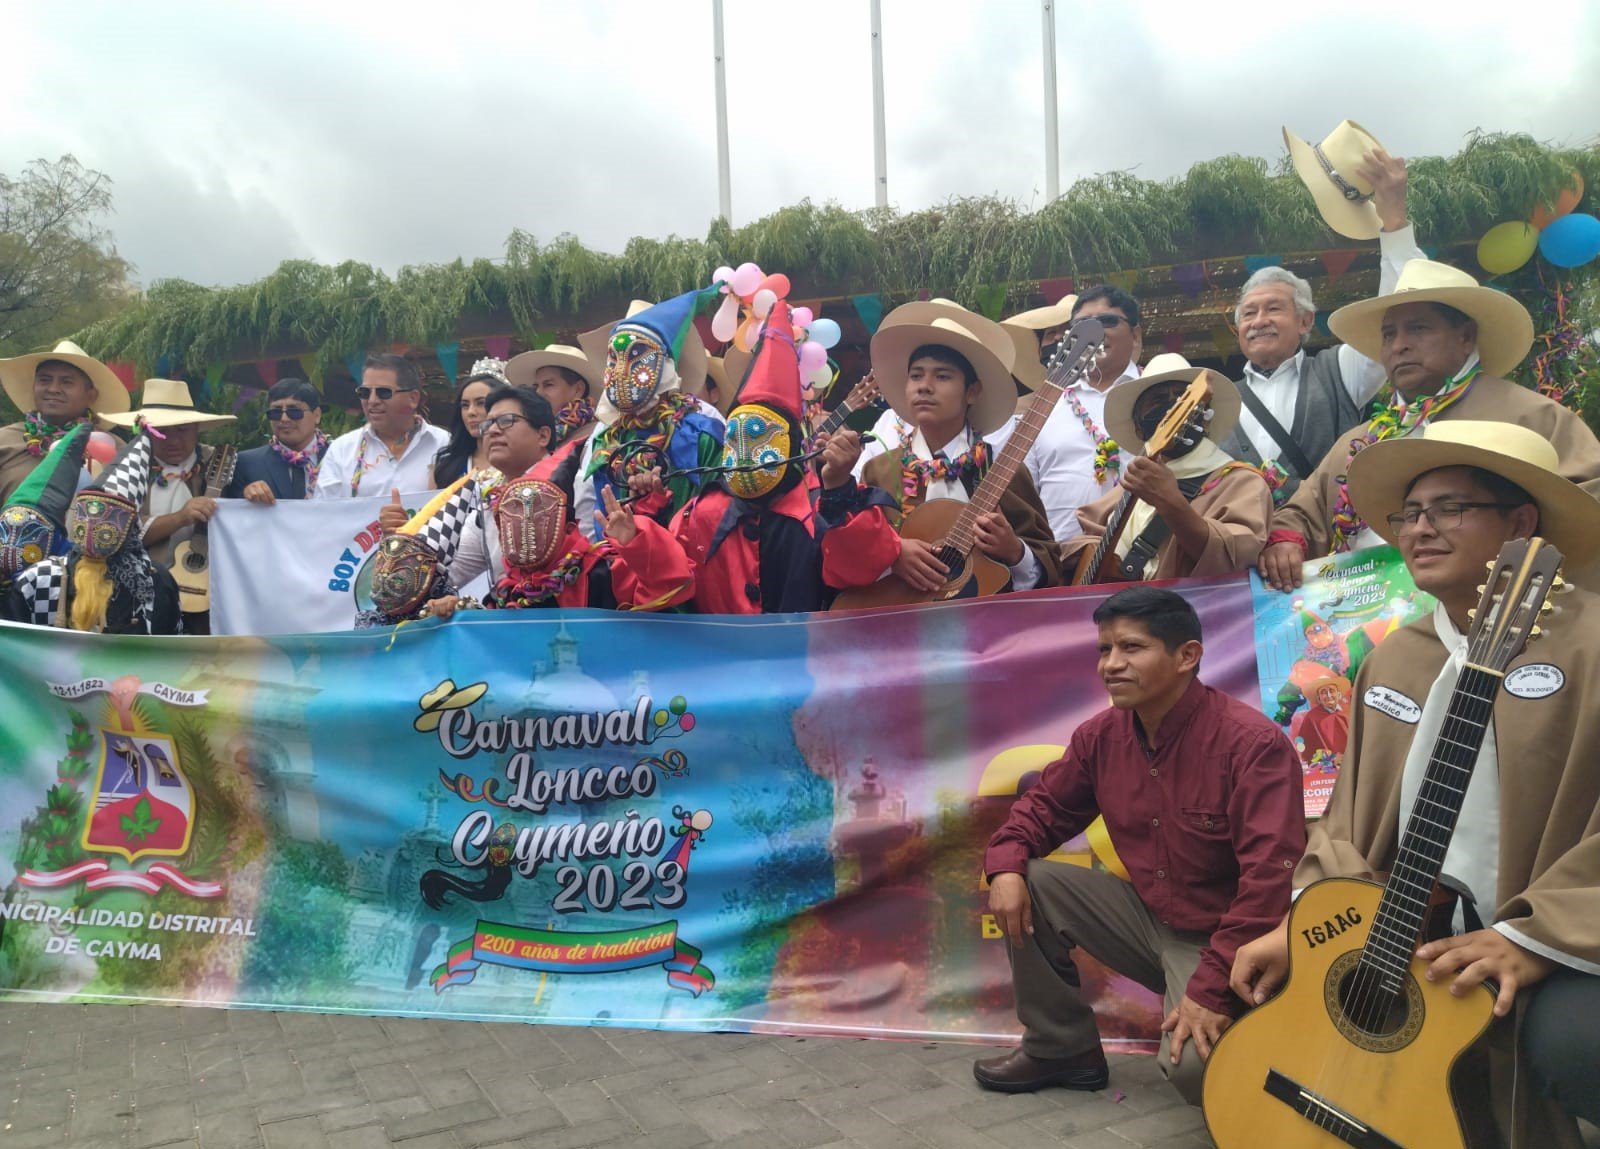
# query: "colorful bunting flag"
[[1190, 278], [1127, 280], [125, 371], [1172, 342], [1321, 324], [992, 300], [214, 373], [497, 347], [245, 395], [165, 362], [1054, 289], [870, 310], [1336, 263], [1224, 341], [353, 364], [311, 365], [268, 370], [449, 358], [1254, 263]]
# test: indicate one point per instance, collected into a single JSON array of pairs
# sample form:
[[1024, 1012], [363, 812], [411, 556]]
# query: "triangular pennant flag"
[[214, 373], [1254, 263], [268, 370], [399, 348], [1336, 263], [449, 358], [1127, 280], [870, 309], [992, 300], [123, 370], [165, 362], [497, 347], [1054, 289], [924, 295], [1431, 250], [1190, 278], [311, 364], [702, 324], [1321, 324], [1172, 342], [1223, 340], [245, 395]]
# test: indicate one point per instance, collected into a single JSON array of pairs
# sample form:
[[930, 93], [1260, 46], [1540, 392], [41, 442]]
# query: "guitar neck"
[[837, 416], [1432, 824], [994, 484], [1108, 540]]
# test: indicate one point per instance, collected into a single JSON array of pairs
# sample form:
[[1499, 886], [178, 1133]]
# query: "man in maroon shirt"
[[1202, 796]]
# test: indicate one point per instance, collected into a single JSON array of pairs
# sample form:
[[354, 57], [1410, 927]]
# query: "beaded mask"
[[99, 523], [403, 575], [531, 515], [26, 536], [757, 434], [635, 361]]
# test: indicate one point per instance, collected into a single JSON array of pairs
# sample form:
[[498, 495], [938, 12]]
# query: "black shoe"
[[1018, 1073]]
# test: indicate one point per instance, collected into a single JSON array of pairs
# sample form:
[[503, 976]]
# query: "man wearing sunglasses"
[[286, 467], [394, 449]]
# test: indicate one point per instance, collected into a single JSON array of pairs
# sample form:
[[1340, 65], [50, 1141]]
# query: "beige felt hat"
[[17, 376], [520, 368], [1568, 516], [166, 403], [1505, 329], [1024, 330], [1328, 170], [727, 373], [982, 341], [1169, 367], [690, 363]]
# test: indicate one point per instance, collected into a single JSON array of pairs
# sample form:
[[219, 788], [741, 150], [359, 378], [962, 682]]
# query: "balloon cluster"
[[1565, 238], [748, 298], [672, 719]]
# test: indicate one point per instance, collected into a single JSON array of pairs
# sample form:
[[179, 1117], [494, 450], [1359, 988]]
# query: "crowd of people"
[[634, 471]]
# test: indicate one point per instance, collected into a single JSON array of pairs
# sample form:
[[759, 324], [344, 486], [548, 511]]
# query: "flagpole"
[[1052, 160], [724, 176], [880, 144]]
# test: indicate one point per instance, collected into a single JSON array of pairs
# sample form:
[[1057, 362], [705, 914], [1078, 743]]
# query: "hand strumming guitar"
[[839, 454], [918, 567]]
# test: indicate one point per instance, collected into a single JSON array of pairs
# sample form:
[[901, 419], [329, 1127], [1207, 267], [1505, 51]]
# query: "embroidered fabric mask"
[[26, 536], [403, 575], [635, 361], [531, 516], [99, 523], [757, 434]]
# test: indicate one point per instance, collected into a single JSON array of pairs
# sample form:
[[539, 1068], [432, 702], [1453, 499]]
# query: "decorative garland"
[[1107, 454], [181, 478], [916, 474], [516, 592], [310, 458], [39, 436]]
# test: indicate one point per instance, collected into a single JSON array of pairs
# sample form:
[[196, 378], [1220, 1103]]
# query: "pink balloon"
[[812, 356], [722, 274], [745, 280], [778, 284], [101, 447], [802, 316], [762, 303], [726, 321]]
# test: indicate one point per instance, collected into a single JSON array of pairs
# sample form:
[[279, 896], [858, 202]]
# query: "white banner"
[[72, 691], [294, 568]]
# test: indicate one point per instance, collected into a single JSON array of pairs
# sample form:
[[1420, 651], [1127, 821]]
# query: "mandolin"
[[1358, 1046], [948, 524], [191, 563], [1185, 418]]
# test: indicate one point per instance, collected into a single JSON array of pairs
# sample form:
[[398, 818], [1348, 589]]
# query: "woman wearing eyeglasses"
[[286, 468]]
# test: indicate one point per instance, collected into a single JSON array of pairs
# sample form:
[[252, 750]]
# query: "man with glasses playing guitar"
[[1472, 759]]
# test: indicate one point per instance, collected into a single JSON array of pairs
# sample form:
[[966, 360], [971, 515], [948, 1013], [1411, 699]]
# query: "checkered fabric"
[[41, 587], [128, 475], [442, 531]]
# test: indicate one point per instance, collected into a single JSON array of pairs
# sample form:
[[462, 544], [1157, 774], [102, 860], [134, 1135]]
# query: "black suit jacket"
[[265, 465]]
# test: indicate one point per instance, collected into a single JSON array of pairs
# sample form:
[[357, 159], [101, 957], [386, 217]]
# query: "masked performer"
[[33, 523]]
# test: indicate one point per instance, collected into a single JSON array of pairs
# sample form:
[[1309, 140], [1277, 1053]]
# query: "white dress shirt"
[[1025, 574], [1061, 459], [1280, 390], [889, 433], [169, 500], [381, 471]]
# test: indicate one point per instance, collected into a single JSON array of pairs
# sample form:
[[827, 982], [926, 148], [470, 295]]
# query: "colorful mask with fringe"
[[757, 435], [635, 363], [99, 523], [531, 516], [26, 536]]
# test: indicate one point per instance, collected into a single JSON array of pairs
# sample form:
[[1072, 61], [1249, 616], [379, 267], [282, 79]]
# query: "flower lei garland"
[[657, 428], [916, 474], [39, 436], [180, 478], [576, 413], [1395, 419], [309, 458], [1107, 457], [519, 591]]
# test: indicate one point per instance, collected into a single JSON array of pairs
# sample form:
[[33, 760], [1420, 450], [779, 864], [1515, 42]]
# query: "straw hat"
[[1024, 330], [166, 403], [520, 368], [17, 376], [690, 361], [726, 372], [1328, 170], [1568, 516], [1169, 367], [1505, 329], [982, 341]]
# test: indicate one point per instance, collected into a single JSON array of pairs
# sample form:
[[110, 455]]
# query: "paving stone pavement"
[[141, 1077]]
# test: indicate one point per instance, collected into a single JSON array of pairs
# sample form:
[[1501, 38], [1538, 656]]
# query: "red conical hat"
[[773, 379]]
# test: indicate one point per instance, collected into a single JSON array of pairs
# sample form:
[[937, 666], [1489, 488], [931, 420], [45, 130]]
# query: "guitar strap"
[[1155, 533], [1291, 452]]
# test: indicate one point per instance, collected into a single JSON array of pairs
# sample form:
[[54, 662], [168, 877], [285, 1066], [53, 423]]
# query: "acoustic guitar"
[[948, 524], [864, 394], [1357, 1048], [191, 563], [1182, 422]]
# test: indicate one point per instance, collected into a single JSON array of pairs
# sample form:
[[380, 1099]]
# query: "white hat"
[[17, 376], [166, 403], [1169, 367], [1024, 329], [1329, 172], [520, 369], [982, 341]]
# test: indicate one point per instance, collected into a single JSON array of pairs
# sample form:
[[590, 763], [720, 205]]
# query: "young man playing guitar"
[[1202, 795], [1527, 842], [1186, 508], [947, 372]]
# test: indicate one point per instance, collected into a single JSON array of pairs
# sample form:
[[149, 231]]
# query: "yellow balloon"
[[1507, 246]]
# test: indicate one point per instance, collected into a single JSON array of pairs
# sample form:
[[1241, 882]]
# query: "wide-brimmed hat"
[[1380, 476], [166, 403], [1024, 329], [17, 376], [726, 372], [1505, 329], [520, 368], [690, 361], [1169, 367], [1328, 170], [982, 341]]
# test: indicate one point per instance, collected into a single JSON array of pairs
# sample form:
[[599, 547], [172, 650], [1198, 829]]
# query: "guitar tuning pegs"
[[1208, 414], [1472, 614], [1489, 566], [1535, 632], [1483, 586]]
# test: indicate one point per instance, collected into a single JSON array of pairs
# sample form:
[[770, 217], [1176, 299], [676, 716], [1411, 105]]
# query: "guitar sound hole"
[[950, 557], [1369, 1008], [193, 562]]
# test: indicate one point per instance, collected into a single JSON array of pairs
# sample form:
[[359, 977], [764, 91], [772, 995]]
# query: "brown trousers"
[[1076, 906]]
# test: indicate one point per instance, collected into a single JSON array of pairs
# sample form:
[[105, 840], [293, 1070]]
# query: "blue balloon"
[[1570, 241], [824, 331]]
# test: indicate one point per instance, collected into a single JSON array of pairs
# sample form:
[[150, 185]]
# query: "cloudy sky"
[[240, 135]]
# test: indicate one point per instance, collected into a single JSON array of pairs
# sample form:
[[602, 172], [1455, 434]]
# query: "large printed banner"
[[575, 817]]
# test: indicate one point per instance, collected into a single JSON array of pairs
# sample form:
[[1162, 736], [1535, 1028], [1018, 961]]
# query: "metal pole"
[[1052, 160], [724, 176], [880, 139]]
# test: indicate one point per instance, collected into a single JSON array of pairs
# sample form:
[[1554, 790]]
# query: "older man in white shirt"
[[1296, 403], [394, 449]]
